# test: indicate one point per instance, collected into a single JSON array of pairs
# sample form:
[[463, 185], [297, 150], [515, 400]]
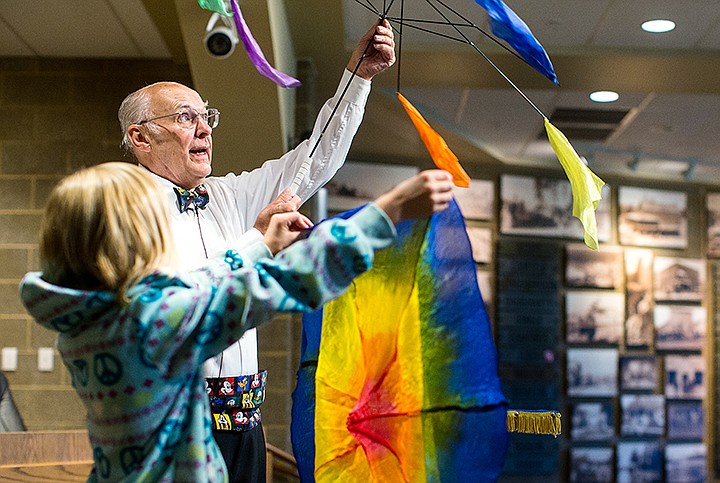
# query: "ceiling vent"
[[586, 124]]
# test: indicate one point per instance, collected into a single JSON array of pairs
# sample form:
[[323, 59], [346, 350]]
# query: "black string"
[[202, 239], [455, 25], [472, 44], [383, 15], [399, 57], [483, 32]]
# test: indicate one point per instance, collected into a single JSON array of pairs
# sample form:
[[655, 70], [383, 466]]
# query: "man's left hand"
[[285, 202], [379, 55]]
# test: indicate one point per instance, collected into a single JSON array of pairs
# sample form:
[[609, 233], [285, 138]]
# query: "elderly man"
[[167, 128]]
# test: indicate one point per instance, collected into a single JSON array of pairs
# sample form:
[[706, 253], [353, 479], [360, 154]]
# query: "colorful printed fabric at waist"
[[235, 401]]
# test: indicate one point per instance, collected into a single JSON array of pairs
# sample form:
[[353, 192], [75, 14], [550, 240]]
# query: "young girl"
[[134, 334]]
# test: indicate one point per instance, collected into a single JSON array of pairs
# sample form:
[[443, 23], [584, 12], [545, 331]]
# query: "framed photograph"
[[591, 465], [481, 242], [594, 317], [642, 415], [685, 377], [713, 221], [652, 218], [639, 461], [680, 279], [685, 420], [486, 291], [476, 202], [543, 207], [680, 327], [686, 462], [593, 421], [638, 373], [592, 372], [358, 183], [585, 268], [639, 298]]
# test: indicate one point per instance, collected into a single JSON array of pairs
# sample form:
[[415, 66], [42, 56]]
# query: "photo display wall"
[[635, 328]]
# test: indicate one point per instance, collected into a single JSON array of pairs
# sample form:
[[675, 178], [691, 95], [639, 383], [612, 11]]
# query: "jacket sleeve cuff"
[[376, 225], [254, 252]]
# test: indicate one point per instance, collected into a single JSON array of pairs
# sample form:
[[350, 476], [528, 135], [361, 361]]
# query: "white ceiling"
[[667, 82], [71, 28]]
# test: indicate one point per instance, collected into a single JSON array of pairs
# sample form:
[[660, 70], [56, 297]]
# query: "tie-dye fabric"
[[398, 379]]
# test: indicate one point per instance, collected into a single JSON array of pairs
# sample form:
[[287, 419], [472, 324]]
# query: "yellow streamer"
[[586, 186], [439, 151]]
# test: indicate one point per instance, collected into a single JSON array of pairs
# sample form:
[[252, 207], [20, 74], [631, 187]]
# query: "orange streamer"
[[436, 146]]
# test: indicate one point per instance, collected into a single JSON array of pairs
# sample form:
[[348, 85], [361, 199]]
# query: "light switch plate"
[[46, 359], [9, 359]]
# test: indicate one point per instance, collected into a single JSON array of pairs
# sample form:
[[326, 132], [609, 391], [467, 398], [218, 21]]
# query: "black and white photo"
[[357, 183], [639, 462], [593, 269], [652, 218], [685, 376], [713, 224], [591, 465], [685, 420], [680, 327], [686, 462], [484, 281], [642, 415], [481, 243], [593, 421], [594, 317], [638, 373], [477, 201], [679, 279], [543, 207], [592, 372], [639, 298]]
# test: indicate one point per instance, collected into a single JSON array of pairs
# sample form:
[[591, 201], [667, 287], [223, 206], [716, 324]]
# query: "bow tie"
[[197, 197]]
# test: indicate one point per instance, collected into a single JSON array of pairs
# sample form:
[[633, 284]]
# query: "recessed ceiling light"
[[604, 96], [658, 26]]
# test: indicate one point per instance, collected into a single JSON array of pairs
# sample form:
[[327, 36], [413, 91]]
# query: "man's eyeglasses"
[[188, 118]]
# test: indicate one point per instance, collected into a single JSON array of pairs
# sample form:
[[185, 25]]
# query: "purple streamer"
[[255, 53]]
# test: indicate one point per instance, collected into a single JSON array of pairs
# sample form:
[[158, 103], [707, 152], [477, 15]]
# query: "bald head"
[[138, 106], [157, 133]]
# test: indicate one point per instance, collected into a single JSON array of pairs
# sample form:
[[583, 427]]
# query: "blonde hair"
[[106, 228]]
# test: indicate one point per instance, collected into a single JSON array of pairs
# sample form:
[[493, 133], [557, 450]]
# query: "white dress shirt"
[[236, 200]]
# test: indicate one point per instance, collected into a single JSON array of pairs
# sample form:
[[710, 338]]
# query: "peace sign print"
[[80, 372], [99, 298], [143, 352], [102, 463], [130, 458], [66, 322], [107, 368]]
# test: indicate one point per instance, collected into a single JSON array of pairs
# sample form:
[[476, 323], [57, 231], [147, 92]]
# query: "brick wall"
[[58, 116]]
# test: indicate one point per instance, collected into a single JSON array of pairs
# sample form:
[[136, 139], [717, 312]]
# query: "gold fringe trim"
[[534, 422]]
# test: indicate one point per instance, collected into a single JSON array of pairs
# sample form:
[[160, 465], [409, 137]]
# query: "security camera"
[[220, 40]]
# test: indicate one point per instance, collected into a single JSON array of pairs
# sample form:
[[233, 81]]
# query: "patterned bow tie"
[[197, 197]]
